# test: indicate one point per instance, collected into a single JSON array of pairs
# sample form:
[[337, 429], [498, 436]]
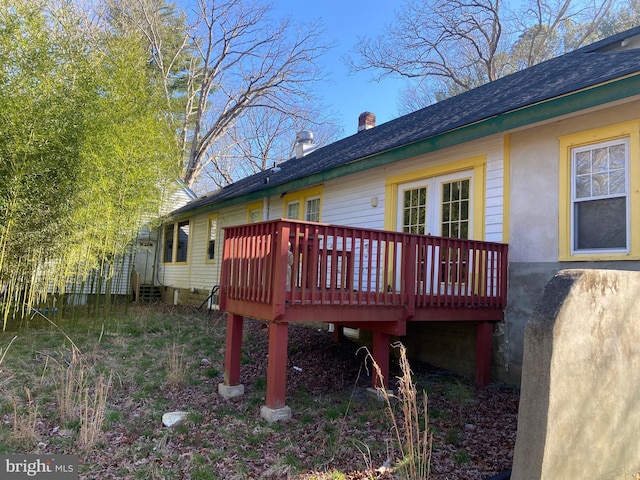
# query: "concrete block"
[[272, 415], [173, 419], [581, 370], [377, 394], [230, 391]]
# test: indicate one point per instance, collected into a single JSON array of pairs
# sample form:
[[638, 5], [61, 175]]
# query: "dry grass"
[[80, 399], [92, 413], [176, 369], [3, 351], [71, 385], [24, 432], [411, 429]]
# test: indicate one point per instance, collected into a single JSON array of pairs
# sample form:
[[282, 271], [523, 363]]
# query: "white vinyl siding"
[[348, 200], [356, 200], [494, 194]]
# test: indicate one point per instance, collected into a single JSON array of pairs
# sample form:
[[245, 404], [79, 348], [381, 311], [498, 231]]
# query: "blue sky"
[[345, 20]]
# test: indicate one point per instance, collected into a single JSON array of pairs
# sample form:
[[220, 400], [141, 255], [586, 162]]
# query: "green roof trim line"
[[570, 103]]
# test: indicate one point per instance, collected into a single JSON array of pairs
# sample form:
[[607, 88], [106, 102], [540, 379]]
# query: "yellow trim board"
[[476, 163], [301, 196]]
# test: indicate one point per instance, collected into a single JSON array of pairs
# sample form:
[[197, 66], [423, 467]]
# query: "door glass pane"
[[446, 192], [455, 209], [414, 212], [455, 191]]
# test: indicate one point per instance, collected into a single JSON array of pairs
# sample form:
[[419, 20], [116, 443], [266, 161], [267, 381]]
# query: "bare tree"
[[262, 138], [445, 47], [233, 58]]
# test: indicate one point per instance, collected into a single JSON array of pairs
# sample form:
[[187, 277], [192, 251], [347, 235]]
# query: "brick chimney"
[[366, 120]]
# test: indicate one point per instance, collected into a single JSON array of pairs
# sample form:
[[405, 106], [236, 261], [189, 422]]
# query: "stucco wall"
[[534, 183], [578, 404], [534, 225]]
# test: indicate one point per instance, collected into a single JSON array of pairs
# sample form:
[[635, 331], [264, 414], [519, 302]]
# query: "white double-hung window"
[[600, 198]]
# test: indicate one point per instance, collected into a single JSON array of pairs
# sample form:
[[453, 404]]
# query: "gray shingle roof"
[[586, 67]]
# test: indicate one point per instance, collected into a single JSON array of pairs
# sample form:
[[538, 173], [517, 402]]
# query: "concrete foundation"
[[272, 415], [580, 380], [230, 391], [448, 345]]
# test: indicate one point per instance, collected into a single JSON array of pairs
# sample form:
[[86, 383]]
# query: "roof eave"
[[593, 96]]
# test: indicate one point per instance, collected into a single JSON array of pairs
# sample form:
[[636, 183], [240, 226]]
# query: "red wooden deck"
[[289, 271]]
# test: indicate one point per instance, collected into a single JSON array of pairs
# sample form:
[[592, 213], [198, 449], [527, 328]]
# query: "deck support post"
[[338, 333], [275, 409], [381, 357], [233, 350], [484, 339]]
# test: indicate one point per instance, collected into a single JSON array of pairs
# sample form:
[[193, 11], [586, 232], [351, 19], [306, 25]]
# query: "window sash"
[[600, 213], [313, 209], [182, 244], [168, 243], [293, 210]]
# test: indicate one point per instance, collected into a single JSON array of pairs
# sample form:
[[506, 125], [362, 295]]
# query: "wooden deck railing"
[[271, 265]]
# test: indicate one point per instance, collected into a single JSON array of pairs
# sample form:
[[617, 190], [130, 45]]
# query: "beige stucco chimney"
[[366, 120]]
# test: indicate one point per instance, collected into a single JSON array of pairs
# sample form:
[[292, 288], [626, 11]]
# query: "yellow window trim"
[[302, 196], [477, 164], [210, 218], [259, 205], [630, 130]]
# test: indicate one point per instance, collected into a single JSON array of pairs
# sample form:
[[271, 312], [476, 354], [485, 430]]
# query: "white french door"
[[438, 206]]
